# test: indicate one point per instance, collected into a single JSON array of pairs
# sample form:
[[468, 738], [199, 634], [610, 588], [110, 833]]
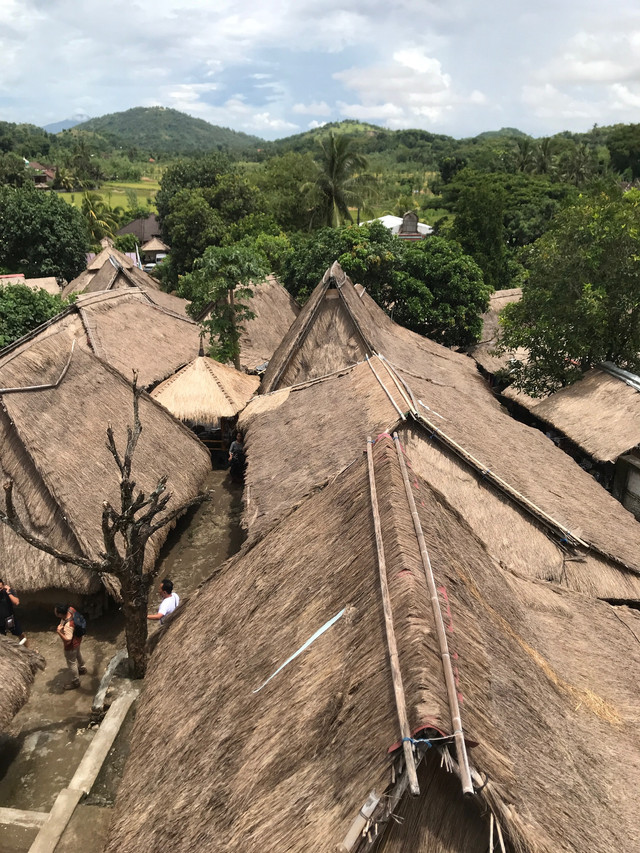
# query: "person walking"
[[170, 600], [71, 633], [8, 621]]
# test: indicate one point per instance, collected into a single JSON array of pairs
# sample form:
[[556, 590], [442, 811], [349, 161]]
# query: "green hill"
[[159, 129]]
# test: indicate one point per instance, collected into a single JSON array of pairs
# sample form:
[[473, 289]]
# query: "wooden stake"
[[394, 660], [452, 693]]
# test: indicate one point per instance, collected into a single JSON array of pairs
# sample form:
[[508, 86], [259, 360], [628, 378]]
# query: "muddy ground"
[[50, 734]]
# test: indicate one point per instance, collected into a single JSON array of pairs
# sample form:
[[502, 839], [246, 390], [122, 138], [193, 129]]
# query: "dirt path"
[[51, 733]]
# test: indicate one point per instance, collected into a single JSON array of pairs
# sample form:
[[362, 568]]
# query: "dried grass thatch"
[[275, 311], [482, 351], [54, 448], [205, 391], [129, 330], [287, 764], [600, 414], [318, 428], [110, 270], [18, 667], [155, 244]]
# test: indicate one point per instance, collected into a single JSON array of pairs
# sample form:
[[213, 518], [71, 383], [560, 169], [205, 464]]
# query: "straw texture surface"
[[286, 764], [54, 447], [482, 351], [599, 413], [331, 418], [205, 391], [18, 667]]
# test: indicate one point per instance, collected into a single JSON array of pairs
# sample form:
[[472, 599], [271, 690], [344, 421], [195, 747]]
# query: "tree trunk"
[[135, 595]]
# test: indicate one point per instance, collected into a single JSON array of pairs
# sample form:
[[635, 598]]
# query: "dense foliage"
[[40, 234], [23, 309], [221, 282], [581, 302]]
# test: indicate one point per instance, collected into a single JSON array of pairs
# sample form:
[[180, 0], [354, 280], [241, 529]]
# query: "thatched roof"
[[110, 270], [249, 763], [54, 448], [205, 391], [600, 413], [130, 330], [18, 667], [48, 283], [301, 436], [481, 351], [155, 244], [275, 310]]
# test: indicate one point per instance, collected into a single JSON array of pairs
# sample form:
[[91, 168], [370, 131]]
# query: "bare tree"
[[125, 532]]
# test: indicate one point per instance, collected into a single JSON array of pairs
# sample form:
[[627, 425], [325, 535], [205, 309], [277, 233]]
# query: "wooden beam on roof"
[[394, 660]]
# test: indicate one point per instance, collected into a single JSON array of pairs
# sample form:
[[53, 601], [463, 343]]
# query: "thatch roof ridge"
[[18, 667], [296, 757], [103, 257], [331, 418]]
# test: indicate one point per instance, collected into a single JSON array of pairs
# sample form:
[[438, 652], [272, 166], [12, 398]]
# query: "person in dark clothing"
[[8, 621], [237, 459]]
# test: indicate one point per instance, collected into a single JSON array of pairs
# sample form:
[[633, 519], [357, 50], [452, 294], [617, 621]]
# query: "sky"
[[277, 67]]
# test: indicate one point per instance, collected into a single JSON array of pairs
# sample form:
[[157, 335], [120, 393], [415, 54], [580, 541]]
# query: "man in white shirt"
[[170, 600]]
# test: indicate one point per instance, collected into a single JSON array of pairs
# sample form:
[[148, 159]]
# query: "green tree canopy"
[[624, 149], [581, 303], [340, 181], [431, 286], [23, 309], [40, 234], [221, 281]]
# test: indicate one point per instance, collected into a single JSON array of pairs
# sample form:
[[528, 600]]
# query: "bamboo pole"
[[397, 382], [43, 387], [394, 660], [503, 485], [452, 693], [386, 390]]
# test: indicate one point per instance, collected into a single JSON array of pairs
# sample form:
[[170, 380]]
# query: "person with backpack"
[[71, 630]]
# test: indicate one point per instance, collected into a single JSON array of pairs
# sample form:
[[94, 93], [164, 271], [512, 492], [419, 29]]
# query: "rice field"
[[118, 194]]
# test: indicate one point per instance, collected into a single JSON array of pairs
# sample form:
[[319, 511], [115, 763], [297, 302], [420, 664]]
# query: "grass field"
[[117, 193]]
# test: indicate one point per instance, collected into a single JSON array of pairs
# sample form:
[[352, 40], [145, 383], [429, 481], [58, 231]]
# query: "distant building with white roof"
[[406, 227]]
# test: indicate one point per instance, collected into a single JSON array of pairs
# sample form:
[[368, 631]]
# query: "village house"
[[405, 227], [110, 270]]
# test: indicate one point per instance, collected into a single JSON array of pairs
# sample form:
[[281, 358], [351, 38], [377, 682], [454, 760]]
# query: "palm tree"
[[340, 182], [100, 219], [544, 156]]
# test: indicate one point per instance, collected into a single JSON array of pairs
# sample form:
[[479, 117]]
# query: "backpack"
[[79, 624]]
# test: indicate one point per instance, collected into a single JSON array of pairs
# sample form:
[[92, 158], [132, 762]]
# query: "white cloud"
[[315, 124], [317, 108], [411, 87]]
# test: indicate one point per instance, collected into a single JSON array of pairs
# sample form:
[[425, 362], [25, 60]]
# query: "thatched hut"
[[206, 392], [110, 270], [18, 667], [482, 352], [299, 437], [280, 728], [130, 329], [57, 400]]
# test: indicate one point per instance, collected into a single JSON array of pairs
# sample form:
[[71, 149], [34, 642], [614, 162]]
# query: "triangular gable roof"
[[110, 252], [64, 474], [155, 244], [110, 275], [305, 732], [600, 413], [205, 391]]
